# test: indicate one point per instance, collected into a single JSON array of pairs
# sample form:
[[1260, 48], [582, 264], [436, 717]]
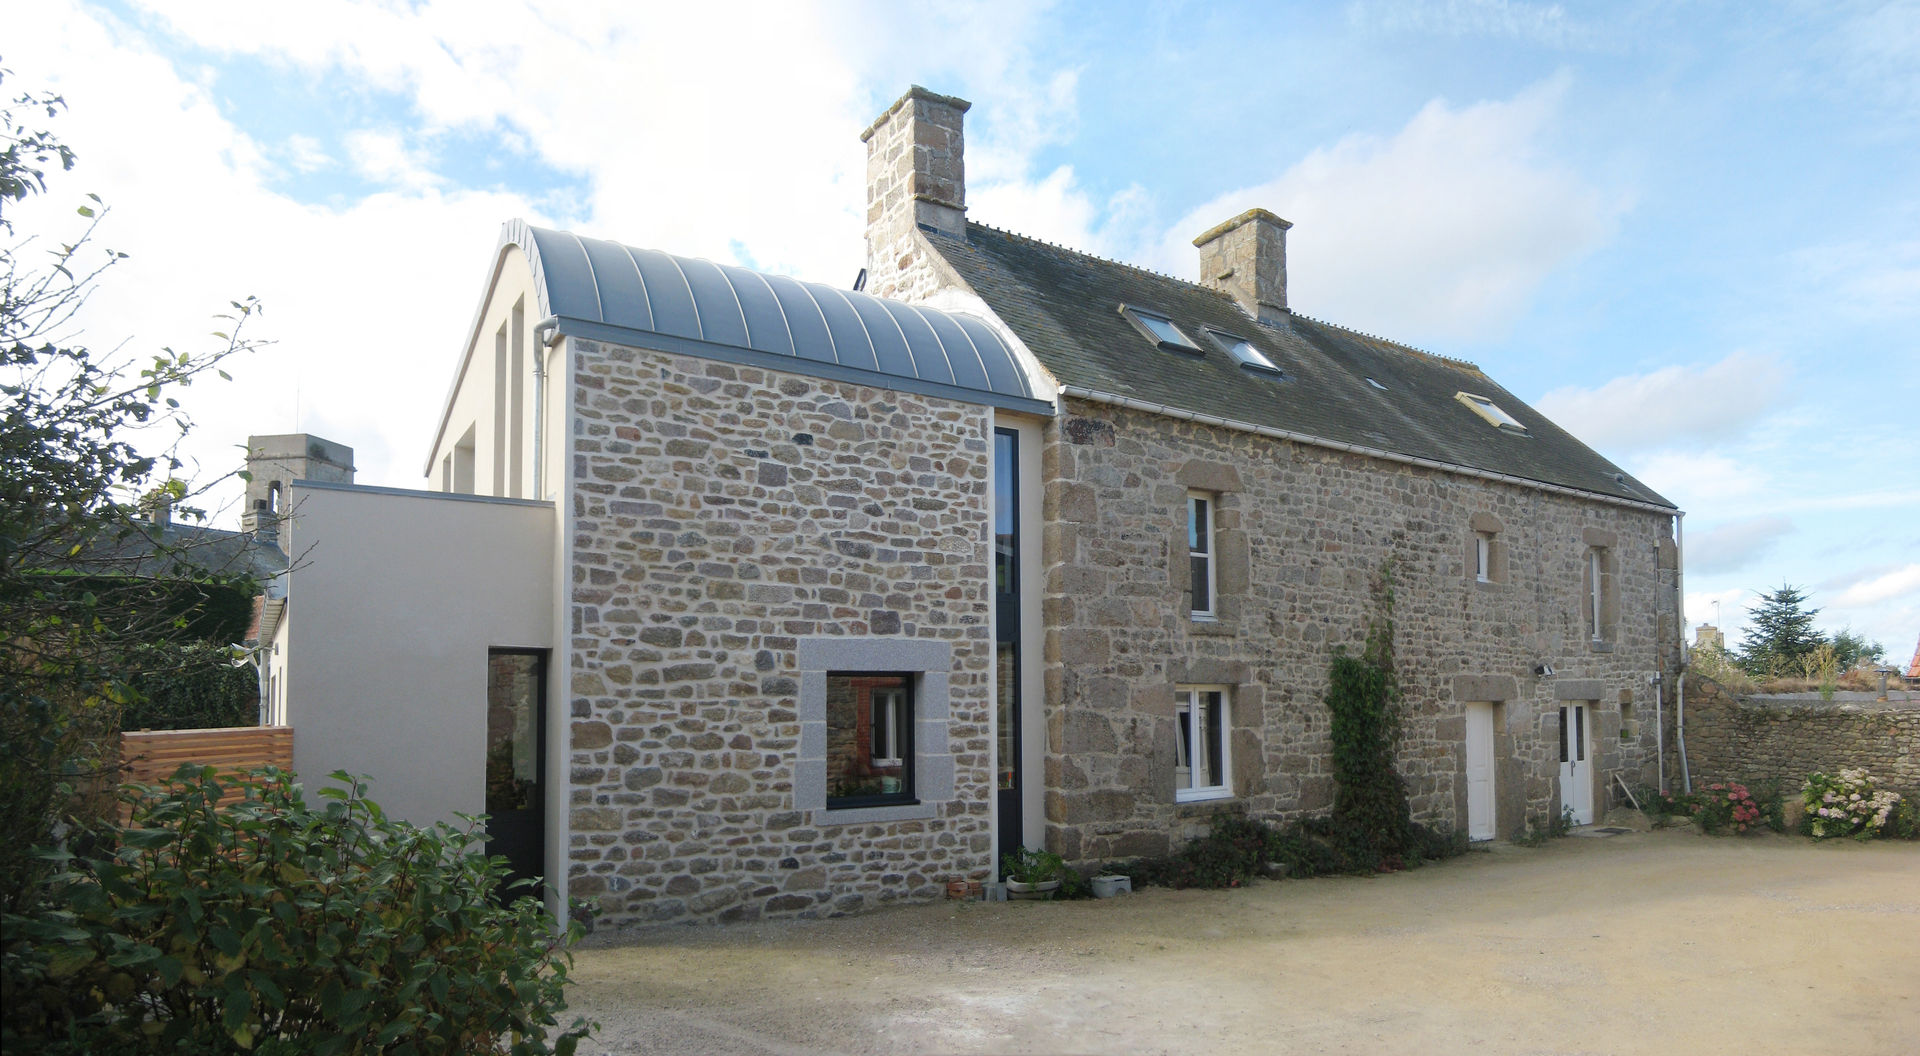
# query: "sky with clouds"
[[1690, 233]]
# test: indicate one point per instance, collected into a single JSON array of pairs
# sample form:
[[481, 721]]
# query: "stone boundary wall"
[[1757, 739]]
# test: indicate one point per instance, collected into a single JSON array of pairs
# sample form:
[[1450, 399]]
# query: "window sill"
[[1600, 647], [1201, 795], [1213, 626], [870, 815], [1489, 584]]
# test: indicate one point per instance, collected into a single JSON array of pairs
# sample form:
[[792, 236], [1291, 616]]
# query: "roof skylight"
[[1491, 411], [1244, 353], [1159, 329]]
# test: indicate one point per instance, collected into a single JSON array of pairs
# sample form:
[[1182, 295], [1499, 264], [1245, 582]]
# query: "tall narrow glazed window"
[[1483, 557], [1595, 593], [1200, 759], [869, 739], [1200, 552]]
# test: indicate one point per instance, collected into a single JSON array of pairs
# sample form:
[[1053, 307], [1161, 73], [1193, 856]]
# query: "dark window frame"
[[904, 739]]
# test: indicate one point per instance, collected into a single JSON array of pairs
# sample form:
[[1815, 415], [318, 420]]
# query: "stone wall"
[[1760, 739], [1302, 530], [722, 517]]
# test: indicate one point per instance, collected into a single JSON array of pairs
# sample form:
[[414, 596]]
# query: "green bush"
[[191, 686], [1237, 849], [1849, 803], [272, 926]]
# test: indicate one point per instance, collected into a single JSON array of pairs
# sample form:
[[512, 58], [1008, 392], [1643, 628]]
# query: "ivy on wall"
[[1363, 693]]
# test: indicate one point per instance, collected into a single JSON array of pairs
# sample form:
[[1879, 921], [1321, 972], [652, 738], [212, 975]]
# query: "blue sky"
[[1689, 232]]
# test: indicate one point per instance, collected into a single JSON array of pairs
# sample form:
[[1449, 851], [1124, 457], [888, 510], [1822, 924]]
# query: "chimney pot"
[[1246, 257]]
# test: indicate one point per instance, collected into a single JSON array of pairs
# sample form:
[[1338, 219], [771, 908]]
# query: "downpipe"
[[546, 334], [1680, 688]]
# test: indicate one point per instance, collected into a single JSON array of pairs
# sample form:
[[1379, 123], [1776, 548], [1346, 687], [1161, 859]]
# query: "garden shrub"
[[1851, 804], [1237, 849], [272, 926]]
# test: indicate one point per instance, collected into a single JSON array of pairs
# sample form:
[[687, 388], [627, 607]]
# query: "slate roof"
[[1065, 306]]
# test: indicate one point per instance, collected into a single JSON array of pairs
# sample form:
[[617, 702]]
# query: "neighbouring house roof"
[[606, 291], [148, 550], [1065, 307]]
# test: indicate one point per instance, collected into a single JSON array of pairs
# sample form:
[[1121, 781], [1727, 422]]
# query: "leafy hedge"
[[272, 926], [194, 686]]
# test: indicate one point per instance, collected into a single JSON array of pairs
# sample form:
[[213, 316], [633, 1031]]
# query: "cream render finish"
[[381, 656]]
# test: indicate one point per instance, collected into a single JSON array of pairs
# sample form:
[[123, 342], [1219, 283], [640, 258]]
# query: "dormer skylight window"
[[1159, 329], [1376, 385], [1244, 353], [1492, 413]]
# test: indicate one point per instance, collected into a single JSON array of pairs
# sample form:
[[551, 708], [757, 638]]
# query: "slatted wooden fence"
[[151, 756]]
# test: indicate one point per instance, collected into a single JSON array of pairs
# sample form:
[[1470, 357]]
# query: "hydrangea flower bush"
[[1847, 805]]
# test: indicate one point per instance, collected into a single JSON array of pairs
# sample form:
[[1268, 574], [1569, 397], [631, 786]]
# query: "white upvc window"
[[890, 720], [1202, 765], [1200, 553], [1594, 594], [1483, 557]]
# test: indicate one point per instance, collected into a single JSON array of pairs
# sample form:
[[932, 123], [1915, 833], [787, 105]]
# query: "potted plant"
[[1032, 874]]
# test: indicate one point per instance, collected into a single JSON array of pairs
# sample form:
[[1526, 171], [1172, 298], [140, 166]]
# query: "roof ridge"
[[1201, 286], [1449, 360]]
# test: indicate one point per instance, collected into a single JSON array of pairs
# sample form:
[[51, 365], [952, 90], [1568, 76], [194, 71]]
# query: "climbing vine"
[[1370, 800]]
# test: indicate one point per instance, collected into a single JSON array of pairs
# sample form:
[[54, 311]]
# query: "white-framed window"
[[890, 719], [1202, 767], [1201, 549], [1596, 595], [1492, 413], [1483, 557]]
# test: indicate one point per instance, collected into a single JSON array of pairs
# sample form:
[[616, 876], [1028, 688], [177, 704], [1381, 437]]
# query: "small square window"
[[1244, 353], [1492, 413], [1159, 329], [1200, 553], [869, 739], [1201, 762]]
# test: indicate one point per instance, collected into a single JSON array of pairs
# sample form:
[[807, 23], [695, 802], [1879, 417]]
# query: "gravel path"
[[1637, 943]]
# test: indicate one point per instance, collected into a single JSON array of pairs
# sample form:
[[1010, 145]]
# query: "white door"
[[1479, 771], [1576, 768]]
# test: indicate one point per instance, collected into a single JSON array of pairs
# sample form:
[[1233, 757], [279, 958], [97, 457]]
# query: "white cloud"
[[1671, 405], [1735, 545], [305, 154], [1442, 231], [1692, 479], [383, 157], [1882, 588]]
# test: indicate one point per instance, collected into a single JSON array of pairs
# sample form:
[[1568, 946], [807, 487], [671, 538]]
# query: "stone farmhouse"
[[734, 596]]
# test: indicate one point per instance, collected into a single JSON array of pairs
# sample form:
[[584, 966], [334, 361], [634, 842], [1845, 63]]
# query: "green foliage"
[[1849, 649], [1238, 849], [1852, 803], [1780, 635], [190, 686], [1028, 866], [1363, 693], [276, 927], [85, 578]]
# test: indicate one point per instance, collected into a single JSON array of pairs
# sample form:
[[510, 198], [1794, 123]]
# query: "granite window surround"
[[1219, 482], [930, 663], [1599, 589], [1486, 552]]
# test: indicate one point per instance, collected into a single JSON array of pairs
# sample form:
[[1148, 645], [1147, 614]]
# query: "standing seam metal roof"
[[603, 290]]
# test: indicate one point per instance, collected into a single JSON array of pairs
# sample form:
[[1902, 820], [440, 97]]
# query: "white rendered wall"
[[400, 595], [484, 384]]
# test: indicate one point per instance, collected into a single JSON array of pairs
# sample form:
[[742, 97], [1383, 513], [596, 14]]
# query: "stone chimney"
[[1246, 257], [916, 177]]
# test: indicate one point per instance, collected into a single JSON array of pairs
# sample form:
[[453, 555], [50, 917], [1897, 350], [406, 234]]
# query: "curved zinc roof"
[[607, 291]]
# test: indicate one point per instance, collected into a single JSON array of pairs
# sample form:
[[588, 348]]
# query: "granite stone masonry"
[[1302, 530], [724, 517], [1755, 739]]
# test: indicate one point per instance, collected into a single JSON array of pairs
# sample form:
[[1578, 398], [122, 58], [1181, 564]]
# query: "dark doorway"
[[1006, 592], [516, 764]]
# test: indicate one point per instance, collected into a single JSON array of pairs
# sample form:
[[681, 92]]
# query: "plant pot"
[[1032, 892], [1111, 885]]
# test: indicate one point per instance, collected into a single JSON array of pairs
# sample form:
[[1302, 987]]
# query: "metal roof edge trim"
[[515, 233], [1113, 399], [419, 493], [570, 326]]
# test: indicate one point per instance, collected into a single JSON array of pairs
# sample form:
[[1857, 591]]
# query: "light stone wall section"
[[1755, 739], [723, 515], [1302, 530]]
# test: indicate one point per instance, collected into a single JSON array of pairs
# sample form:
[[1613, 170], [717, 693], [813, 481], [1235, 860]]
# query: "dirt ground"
[[1646, 942]]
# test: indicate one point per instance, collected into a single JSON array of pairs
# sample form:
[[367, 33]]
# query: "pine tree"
[[1781, 634]]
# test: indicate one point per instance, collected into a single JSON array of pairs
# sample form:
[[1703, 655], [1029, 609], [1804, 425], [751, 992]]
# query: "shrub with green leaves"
[[274, 926], [1850, 803]]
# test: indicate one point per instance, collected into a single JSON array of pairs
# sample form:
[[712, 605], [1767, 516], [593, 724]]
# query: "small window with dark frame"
[[869, 739], [1200, 552], [1243, 353], [1201, 765], [1159, 329]]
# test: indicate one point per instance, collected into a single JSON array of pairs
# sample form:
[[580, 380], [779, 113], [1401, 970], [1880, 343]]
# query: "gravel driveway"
[[1636, 943]]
